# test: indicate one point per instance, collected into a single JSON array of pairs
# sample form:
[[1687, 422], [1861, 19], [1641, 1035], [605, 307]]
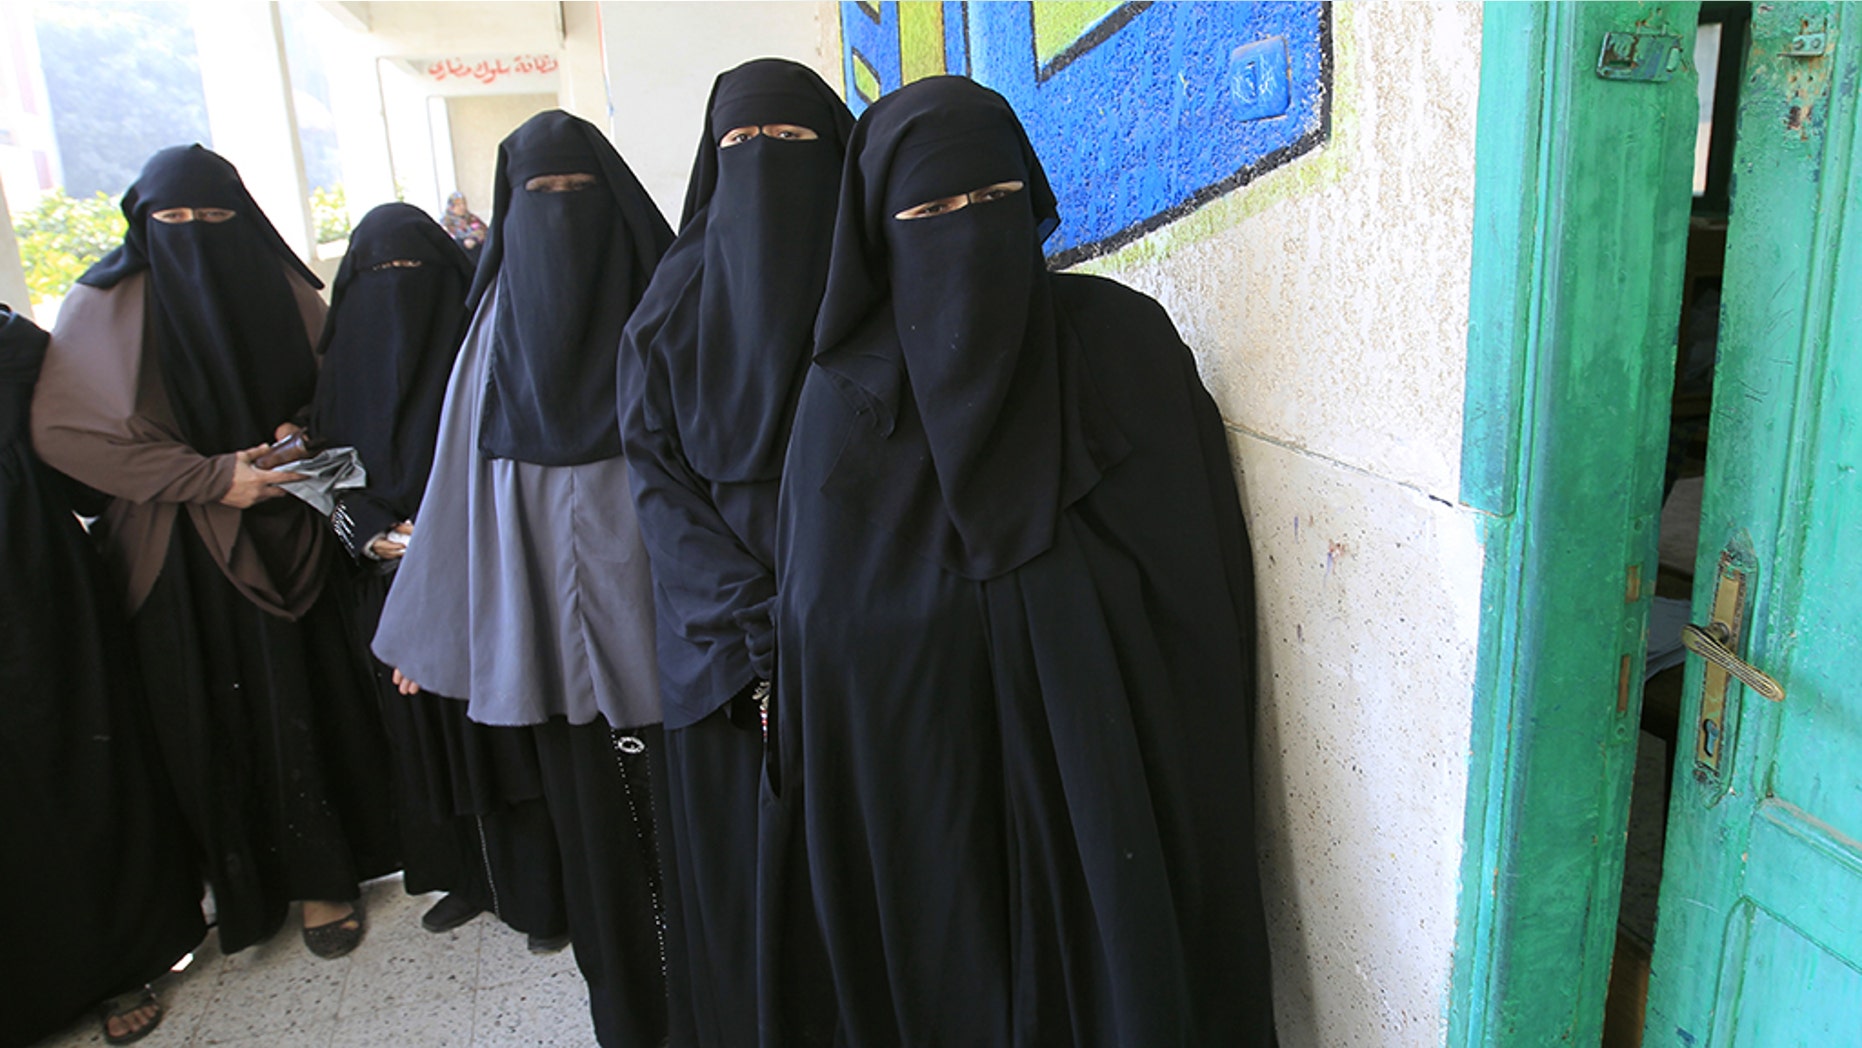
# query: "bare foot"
[[130, 1023]]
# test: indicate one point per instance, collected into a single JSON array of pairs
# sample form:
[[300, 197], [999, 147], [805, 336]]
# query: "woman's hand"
[[285, 429], [252, 485], [386, 549], [405, 683]]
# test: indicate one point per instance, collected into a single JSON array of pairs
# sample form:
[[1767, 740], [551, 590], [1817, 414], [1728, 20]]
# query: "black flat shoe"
[[332, 940], [546, 943], [450, 912]]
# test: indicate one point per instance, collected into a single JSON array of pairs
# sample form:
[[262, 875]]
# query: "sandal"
[[332, 940], [108, 1011]]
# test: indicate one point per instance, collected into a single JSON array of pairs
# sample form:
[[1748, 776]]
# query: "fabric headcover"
[[234, 357], [568, 268], [388, 346], [732, 322], [22, 351], [944, 329]]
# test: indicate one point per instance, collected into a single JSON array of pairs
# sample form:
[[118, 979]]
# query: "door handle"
[[1710, 642]]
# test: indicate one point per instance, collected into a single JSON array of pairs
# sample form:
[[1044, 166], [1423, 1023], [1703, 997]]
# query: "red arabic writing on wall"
[[490, 70]]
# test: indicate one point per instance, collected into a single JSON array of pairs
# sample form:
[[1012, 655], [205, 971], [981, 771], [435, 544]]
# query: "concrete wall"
[[1328, 304], [1320, 269]]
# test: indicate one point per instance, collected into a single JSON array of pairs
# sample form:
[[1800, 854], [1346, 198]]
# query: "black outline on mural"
[[1307, 142], [871, 7], [1115, 20], [967, 49], [856, 58]]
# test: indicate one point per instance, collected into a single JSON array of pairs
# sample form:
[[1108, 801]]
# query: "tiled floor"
[[404, 987]]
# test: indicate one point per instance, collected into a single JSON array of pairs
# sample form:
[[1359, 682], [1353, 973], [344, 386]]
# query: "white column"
[[583, 88], [12, 272], [250, 112]]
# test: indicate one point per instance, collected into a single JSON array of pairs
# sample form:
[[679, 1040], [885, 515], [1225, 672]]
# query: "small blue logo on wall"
[[1141, 112]]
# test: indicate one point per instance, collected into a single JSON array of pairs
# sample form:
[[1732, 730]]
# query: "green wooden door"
[[1760, 935]]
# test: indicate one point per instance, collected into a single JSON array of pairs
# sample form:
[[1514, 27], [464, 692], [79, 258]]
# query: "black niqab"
[[945, 329], [234, 358], [732, 326], [568, 268], [388, 346]]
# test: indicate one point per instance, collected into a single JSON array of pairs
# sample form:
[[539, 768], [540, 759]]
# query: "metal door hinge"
[[1652, 57]]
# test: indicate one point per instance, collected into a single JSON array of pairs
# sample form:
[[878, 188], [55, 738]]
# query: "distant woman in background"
[[103, 889], [176, 360], [466, 228]]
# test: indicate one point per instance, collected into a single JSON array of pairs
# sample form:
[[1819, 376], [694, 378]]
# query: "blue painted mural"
[[1141, 112]]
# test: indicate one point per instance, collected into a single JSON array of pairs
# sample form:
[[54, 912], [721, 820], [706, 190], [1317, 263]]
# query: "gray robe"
[[525, 590]]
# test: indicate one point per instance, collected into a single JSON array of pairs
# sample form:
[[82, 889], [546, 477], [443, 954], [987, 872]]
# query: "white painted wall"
[[1328, 305], [662, 58], [13, 290]]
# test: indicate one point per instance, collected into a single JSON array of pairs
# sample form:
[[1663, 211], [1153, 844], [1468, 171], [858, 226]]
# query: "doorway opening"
[[1721, 46]]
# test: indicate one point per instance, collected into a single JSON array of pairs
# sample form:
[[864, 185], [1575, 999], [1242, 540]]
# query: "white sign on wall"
[[497, 74]]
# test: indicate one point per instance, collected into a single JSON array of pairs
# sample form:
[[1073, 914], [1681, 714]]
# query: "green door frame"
[[1582, 192]]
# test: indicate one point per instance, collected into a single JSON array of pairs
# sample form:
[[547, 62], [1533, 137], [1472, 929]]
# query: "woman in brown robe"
[[173, 362]]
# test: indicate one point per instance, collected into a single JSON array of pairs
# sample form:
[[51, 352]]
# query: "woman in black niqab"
[[1015, 610], [104, 892], [397, 312], [526, 594], [712, 364], [569, 262], [234, 356], [175, 360]]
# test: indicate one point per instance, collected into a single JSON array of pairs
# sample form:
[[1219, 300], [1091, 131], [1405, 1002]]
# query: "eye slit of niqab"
[[945, 205], [737, 136], [397, 263], [569, 183], [175, 216]]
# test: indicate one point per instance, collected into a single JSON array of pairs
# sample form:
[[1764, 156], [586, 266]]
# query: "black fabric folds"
[[945, 329], [105, 893], [234, 363], [397, 313], [568, 268], [1008, 800], [714, 358], [732, 325]]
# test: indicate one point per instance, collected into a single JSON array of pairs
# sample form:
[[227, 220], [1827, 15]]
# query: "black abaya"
[[712, 364], [271, 733], [103, 893], [1013, 781]]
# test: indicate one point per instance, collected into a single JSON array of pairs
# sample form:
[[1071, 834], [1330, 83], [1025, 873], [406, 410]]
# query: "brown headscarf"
[[100, 414]]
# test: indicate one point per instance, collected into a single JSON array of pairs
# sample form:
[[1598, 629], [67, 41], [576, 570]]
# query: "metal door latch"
[[1711, 642]]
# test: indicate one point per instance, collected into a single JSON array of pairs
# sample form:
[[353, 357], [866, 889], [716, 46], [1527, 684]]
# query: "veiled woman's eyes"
[[945, 205], [177, 215], [779, 132], [560, 183], [396, 263]]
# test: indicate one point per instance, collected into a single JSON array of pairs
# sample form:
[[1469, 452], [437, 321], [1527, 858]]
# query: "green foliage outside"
[[329, 210], [61, 237]]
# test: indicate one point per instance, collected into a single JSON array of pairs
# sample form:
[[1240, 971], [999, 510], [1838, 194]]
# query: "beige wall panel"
[[479, 123]]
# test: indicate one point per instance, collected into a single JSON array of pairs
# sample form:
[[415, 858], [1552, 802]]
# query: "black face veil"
[[944, 330], [234, 357], [733, 327], [568, 268], [397, 311]]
